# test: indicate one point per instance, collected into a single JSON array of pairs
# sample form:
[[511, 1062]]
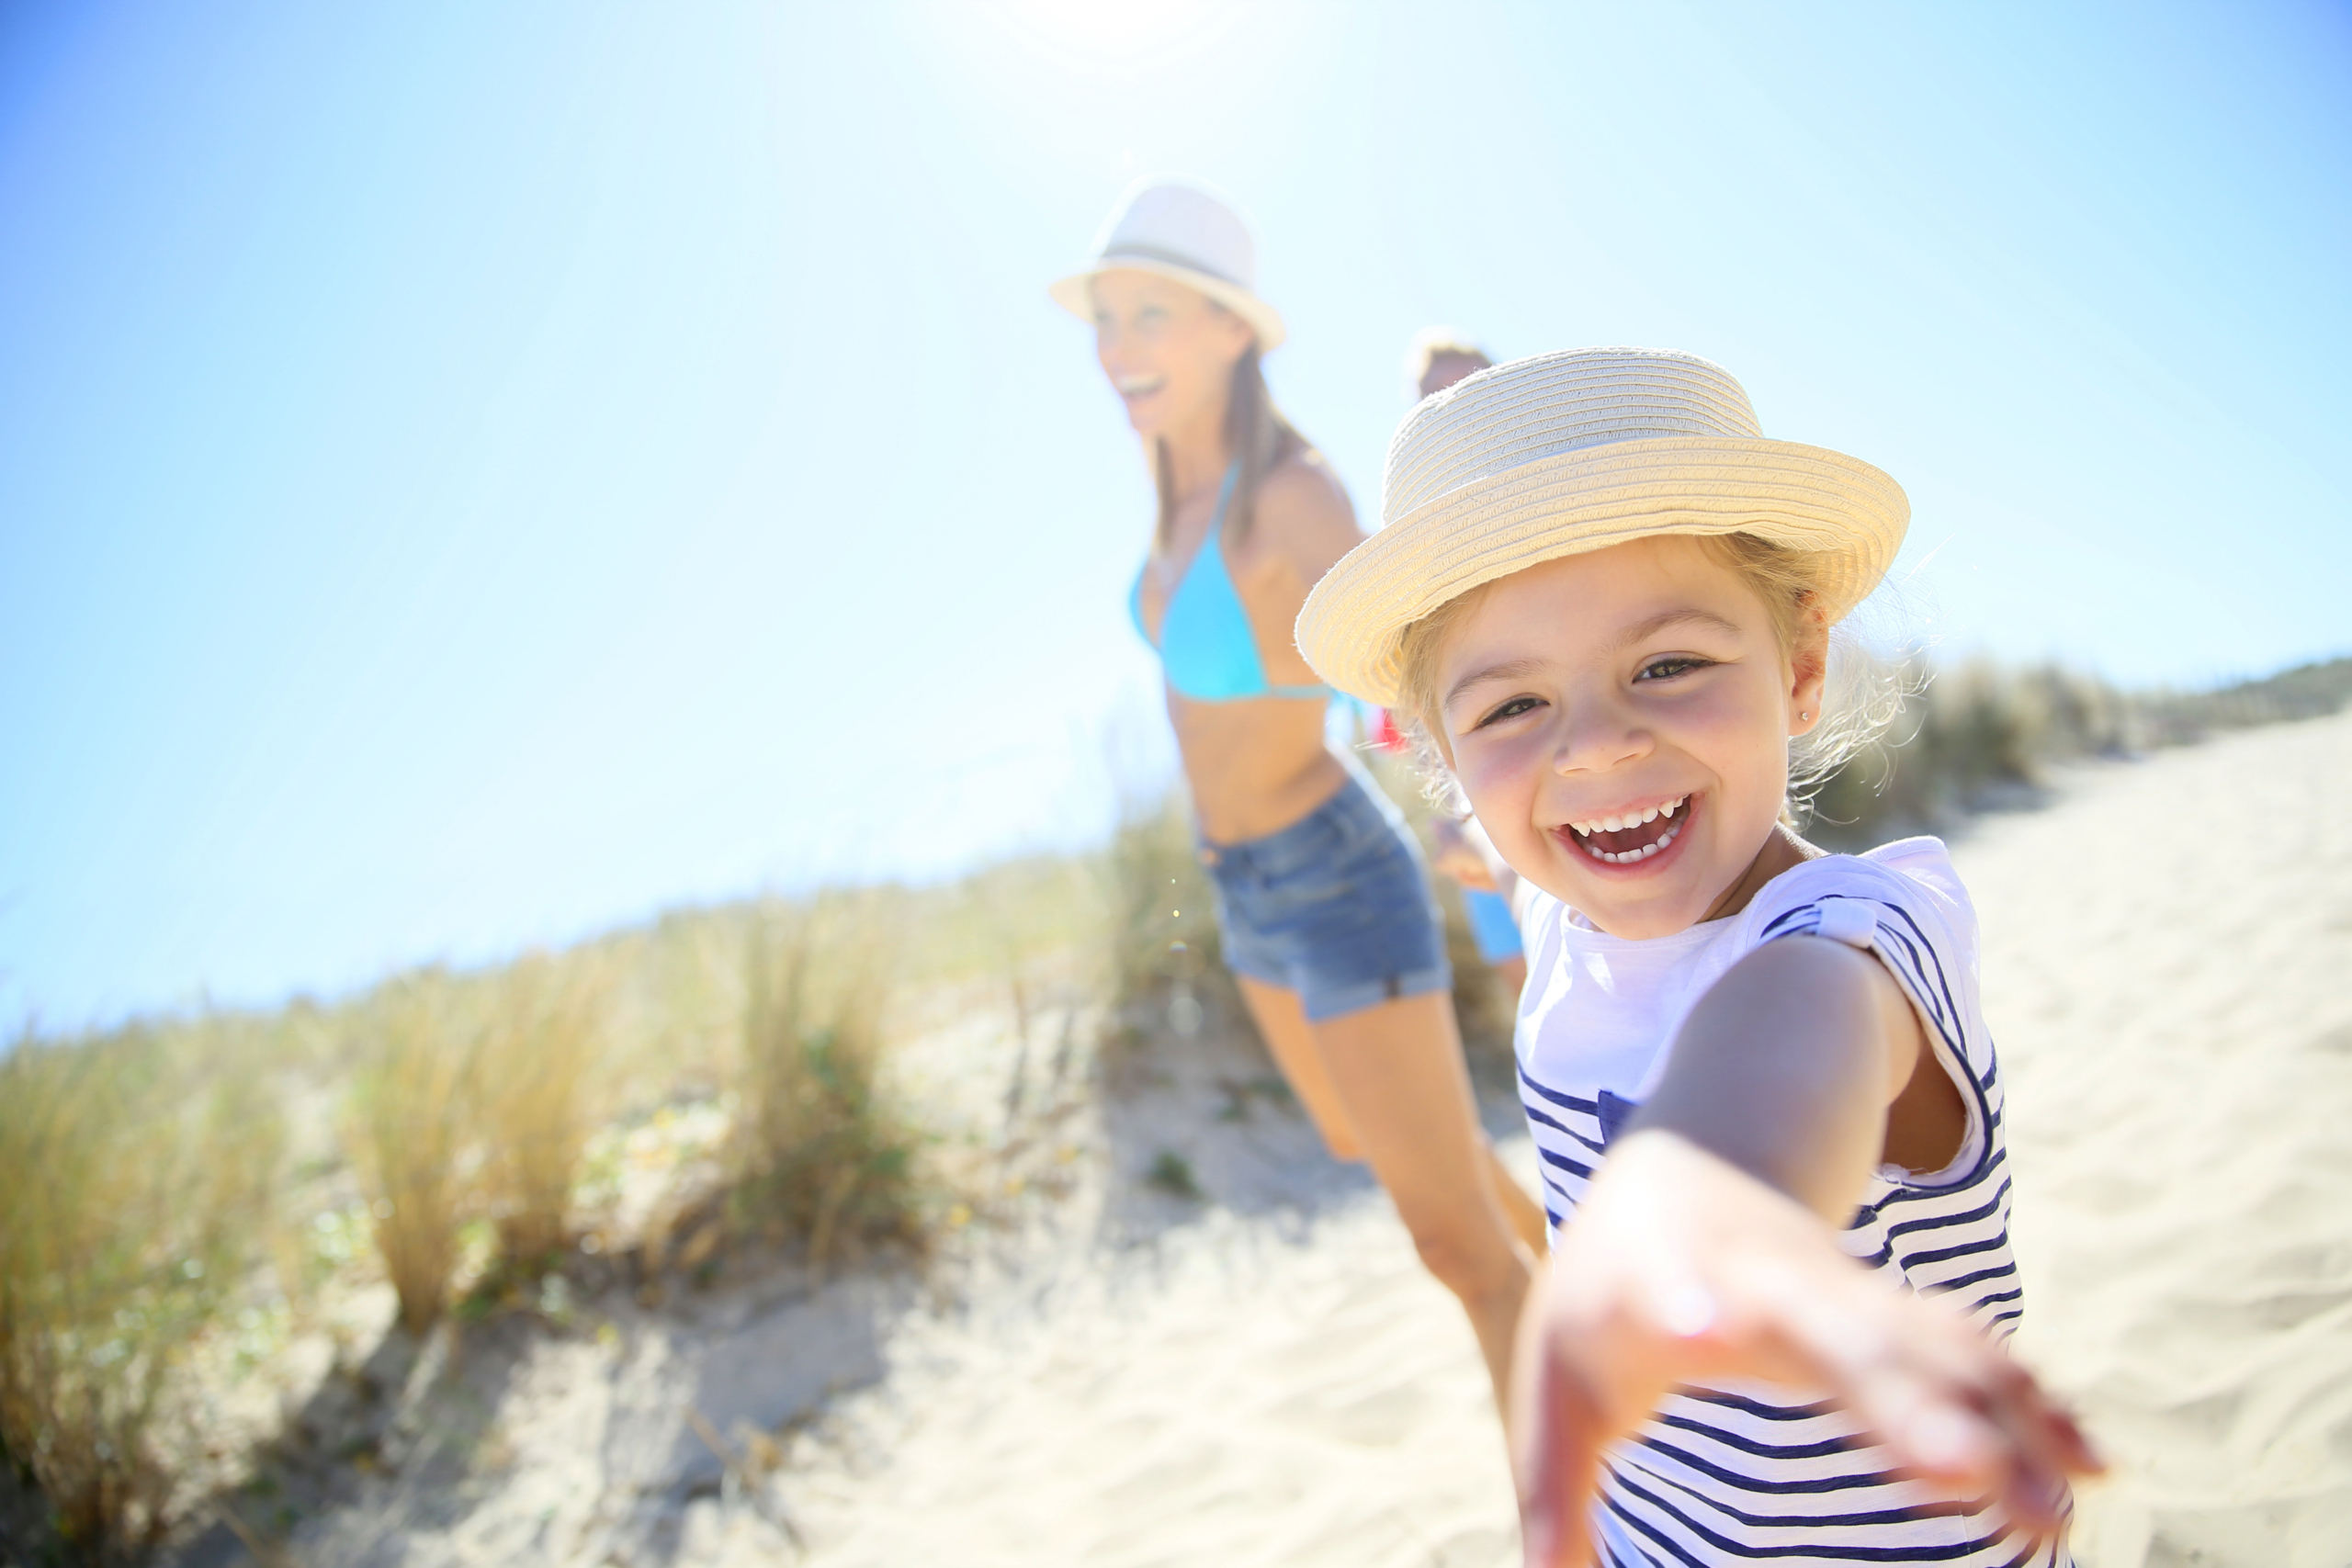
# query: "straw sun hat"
[[1564, 452], [1184, 232]]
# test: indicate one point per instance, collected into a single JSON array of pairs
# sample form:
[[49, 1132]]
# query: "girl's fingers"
[[2052, 1447], [1561, 1432], [2083, 1457], [1956, 1411], [2059, 1439]]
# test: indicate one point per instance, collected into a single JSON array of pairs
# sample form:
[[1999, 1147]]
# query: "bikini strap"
[[1223, 500]]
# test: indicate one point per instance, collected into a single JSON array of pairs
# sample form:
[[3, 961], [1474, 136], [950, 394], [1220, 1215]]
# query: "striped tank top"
[[1742, 1473]]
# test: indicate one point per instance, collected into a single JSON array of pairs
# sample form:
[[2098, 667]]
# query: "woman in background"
[[1322, 898]]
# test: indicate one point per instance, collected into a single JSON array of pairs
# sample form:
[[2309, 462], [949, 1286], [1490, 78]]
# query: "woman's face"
[[1168, 352], [1620, 721]]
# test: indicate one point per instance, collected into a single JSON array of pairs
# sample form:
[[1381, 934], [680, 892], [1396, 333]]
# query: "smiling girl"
[[1758, 1075]]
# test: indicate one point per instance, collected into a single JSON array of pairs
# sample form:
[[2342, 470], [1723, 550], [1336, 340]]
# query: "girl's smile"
[[1631, 840]]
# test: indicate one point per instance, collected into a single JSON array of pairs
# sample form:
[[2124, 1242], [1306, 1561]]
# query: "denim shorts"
[[1336, 907]]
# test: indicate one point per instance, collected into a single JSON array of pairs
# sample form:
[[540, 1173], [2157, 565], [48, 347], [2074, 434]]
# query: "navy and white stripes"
[[1762, 1473]]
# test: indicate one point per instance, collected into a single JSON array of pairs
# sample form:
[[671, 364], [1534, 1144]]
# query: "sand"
[[1120, 1376], [2168, 971]]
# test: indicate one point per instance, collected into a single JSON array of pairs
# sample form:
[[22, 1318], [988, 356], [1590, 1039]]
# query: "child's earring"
[[1802, 714]]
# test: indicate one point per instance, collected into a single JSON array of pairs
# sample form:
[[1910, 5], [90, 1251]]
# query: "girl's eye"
[[1667, 669], [1510, 709]]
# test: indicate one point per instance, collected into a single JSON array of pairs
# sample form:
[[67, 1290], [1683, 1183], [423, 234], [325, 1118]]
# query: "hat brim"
[[1352, 627], [1076, 294]]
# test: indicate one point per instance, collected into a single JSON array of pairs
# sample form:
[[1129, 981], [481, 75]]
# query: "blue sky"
[[473, 476]]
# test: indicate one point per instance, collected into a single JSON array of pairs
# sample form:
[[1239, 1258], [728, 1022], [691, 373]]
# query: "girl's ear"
[[1808, 666]]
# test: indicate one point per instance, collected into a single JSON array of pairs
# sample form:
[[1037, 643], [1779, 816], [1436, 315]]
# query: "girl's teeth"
[[1628, 856], [1619, 824]]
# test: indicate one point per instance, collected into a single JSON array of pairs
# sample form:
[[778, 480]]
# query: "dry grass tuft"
[[418, 1047], [1982, 734], [1965, 738], [1162, 955], [137, 1177], [538, 1094], [823, 1152]]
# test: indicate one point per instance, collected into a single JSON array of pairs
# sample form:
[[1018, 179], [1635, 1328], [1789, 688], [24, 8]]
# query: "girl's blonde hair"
[[1255, 433], [1861, 696]]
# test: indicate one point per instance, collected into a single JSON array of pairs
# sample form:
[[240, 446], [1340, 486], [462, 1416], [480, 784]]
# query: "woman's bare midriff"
[[1255, 766]]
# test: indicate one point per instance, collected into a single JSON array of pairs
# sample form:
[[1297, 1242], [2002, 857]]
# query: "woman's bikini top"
[[1206, 643]]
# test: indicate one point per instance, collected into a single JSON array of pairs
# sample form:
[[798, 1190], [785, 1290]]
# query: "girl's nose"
[[1595, 737]]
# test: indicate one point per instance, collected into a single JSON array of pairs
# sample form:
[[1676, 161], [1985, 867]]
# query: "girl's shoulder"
[[1909, 886], [1904, 903], [1911, 877]]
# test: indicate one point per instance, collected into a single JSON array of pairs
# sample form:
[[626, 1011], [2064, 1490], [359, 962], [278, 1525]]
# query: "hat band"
[[1166, 258]]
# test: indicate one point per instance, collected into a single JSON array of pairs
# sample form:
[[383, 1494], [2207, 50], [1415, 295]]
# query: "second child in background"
[[1438, 358]]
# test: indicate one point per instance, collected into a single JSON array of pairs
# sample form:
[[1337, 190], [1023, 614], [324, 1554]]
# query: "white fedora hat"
[[1564, 452], [1182, 230]]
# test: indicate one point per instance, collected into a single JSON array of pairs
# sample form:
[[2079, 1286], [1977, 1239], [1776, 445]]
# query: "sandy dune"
[[1267, 1378]]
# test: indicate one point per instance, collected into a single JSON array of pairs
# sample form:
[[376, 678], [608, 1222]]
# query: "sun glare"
[[1096, 36]]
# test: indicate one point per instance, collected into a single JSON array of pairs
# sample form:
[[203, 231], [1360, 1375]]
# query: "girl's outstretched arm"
[[1703, 1250]]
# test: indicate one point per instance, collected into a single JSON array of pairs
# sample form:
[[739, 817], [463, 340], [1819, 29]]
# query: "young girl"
[[1767, 1109]]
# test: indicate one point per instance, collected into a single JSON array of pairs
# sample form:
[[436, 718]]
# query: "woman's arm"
[[1703, 1250], [1467, 856], [1303, 523]]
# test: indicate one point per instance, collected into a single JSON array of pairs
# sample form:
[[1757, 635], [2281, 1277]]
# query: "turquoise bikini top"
[[1206, 643]]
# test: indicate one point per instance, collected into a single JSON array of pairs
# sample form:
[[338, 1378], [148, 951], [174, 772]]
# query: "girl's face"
[[1168, 352], [1620, 722]]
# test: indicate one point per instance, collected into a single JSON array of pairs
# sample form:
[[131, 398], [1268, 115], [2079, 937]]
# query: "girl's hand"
[[1679, 1267], [1459, 857]]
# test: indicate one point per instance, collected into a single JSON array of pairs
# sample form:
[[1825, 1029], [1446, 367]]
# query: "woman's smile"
[[1167, 352]]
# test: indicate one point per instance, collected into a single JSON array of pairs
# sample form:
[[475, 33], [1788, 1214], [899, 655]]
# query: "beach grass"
[[420, 1042], [1160, 953], [1981, 735], [139, 1169], [539, 1094], [823, 1154]]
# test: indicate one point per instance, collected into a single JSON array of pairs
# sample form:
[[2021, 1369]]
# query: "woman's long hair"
[[1255, 432]]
